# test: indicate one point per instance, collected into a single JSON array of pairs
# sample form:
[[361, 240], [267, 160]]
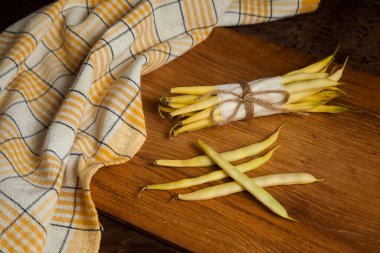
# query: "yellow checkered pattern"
[[70, 102]]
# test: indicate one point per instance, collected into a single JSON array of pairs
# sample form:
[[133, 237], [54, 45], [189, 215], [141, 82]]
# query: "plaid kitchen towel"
[[70, 102]]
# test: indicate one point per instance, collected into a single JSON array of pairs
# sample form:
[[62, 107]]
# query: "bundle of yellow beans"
[[241, 183], [306, 90]]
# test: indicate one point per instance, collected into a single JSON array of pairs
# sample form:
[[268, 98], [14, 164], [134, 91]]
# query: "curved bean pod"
[[231, 156]]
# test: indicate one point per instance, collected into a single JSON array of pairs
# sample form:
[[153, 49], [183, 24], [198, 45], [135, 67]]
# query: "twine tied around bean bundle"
[[248, 98]]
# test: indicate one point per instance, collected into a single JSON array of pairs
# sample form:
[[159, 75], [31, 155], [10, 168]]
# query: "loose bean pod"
[[258, 192], [213, 176], [231, 156], [233, 187]]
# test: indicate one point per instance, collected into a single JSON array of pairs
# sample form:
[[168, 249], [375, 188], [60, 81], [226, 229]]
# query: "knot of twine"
[[248, 98]]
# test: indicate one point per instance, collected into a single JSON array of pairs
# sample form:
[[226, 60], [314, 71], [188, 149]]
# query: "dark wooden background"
[[353, 24]]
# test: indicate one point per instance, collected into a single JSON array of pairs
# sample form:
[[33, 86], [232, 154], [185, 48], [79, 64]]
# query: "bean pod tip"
[[290, 218], [159, 112], [141, 191], [175, 197]]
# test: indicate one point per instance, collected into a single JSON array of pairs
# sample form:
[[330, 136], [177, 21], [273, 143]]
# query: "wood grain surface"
[[340, 214]]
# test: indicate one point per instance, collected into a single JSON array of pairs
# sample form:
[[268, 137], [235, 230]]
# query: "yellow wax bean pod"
[[184, 99], [186, 115], [200, 105], [313, 68], [302, 77], [193, 90], [316, 67], [176, 105], [329, 109], [166, 109], [338, 74], [321, 96], [263, 181], [258, 192], [324, 70], [336, 89], [197, 125], [213, 176], [303, 107], [314, 84], [295, 97], [231, 156], [204, 114]]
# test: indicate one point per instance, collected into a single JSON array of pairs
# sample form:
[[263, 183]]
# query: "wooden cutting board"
[[340, 214]]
